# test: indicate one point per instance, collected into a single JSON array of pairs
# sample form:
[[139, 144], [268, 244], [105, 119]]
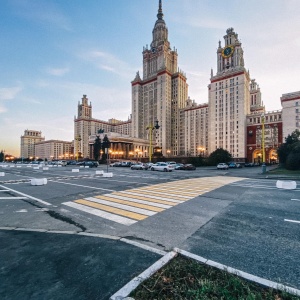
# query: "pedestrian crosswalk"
[[134, 205]]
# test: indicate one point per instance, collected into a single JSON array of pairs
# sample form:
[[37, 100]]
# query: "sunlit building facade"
[[54, 150], [231, 117], [28, 141]]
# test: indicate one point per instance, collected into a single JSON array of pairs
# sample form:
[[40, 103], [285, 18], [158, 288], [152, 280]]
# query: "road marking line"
[[138, 201], [102, 214], [12, 198], [89, 187], [292, 221], [127, 205], [150, 197], [164, 194], [30, 197], [295, 199], [118, 211]]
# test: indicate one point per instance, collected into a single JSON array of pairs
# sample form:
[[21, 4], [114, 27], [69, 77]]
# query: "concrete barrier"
[[36, 168], [19, 166], [86, 167], [288, 185], [99, 172], [38, 181], [12, 166], [75, 170], [2, 174], [107, 174], [45, 168], [81, 166]]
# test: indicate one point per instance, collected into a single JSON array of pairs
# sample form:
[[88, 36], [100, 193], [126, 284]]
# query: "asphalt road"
[[236, 217]]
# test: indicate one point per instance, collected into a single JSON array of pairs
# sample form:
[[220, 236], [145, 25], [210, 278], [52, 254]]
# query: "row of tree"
[[289, 152]]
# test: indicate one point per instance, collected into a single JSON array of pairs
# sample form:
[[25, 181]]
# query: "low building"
[[28, 141], [54, 149], [290, 112]]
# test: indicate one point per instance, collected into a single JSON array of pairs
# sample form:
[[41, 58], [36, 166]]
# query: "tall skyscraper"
[[162, 91], [229, 98]]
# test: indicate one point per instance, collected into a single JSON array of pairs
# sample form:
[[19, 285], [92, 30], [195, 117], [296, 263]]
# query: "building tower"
[[162, 91], [229, 98], [82, 128]]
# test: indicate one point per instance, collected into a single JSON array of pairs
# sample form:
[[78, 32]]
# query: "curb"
[[135, 282]]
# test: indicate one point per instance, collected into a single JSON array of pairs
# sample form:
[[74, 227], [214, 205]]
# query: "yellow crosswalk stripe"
[[149, 207], [117, 211], [146, 199], [127, 203]]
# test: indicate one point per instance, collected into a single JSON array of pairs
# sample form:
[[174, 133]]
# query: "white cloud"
[[2, 109], [108, 62], [57, 71], [9, 93]]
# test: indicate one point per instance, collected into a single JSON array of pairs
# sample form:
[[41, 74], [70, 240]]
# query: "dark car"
[[91, 164], [232, 165], [249, 165], [188, 167]]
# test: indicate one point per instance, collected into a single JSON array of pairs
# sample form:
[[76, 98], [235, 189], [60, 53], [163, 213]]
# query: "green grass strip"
[[184, 278]]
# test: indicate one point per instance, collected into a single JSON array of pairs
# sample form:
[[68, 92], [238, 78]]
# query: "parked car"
[[125, 164], [173, 163], [178, 166], [91, 164], [222, 166], [249, 165], [232, 165], [139, 166], [239, 165], [188, 167], [162, 166], [149, 165]]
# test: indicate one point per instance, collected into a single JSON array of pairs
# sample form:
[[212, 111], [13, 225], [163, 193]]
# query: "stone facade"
[[231, 119], [54, 149], [28, 141], [290, 112]]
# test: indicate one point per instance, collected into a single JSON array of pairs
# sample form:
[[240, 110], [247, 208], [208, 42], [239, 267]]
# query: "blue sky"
[[54, 51]]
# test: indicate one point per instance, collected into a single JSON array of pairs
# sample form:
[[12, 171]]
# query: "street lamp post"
[[137, 154], [264, 168], [201, 150], [151, 128], [168, 152], [78, 139], [130, 155]]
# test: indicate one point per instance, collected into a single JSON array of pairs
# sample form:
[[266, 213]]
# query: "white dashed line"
[[292, 221]]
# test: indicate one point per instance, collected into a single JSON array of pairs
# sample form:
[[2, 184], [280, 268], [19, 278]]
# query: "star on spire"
[[160, 14]]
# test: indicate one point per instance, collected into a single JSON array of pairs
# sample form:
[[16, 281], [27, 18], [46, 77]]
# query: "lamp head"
[[156, 125]]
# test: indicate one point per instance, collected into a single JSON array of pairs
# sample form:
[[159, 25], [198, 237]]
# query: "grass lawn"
[[283, 171], [184, 278]]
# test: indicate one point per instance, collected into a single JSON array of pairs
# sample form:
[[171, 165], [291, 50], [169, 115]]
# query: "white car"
[[222, 166], [139, 167], [162, 167]]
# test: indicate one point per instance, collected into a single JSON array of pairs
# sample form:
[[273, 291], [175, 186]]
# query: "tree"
[[288, 151], [105, 145], [1, 156], [97, 148], [218, 156]]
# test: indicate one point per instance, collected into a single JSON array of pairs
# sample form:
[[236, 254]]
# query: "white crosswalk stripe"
[[133, 205]]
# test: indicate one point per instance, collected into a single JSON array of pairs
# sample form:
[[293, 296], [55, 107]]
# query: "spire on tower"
[[160, 12]]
